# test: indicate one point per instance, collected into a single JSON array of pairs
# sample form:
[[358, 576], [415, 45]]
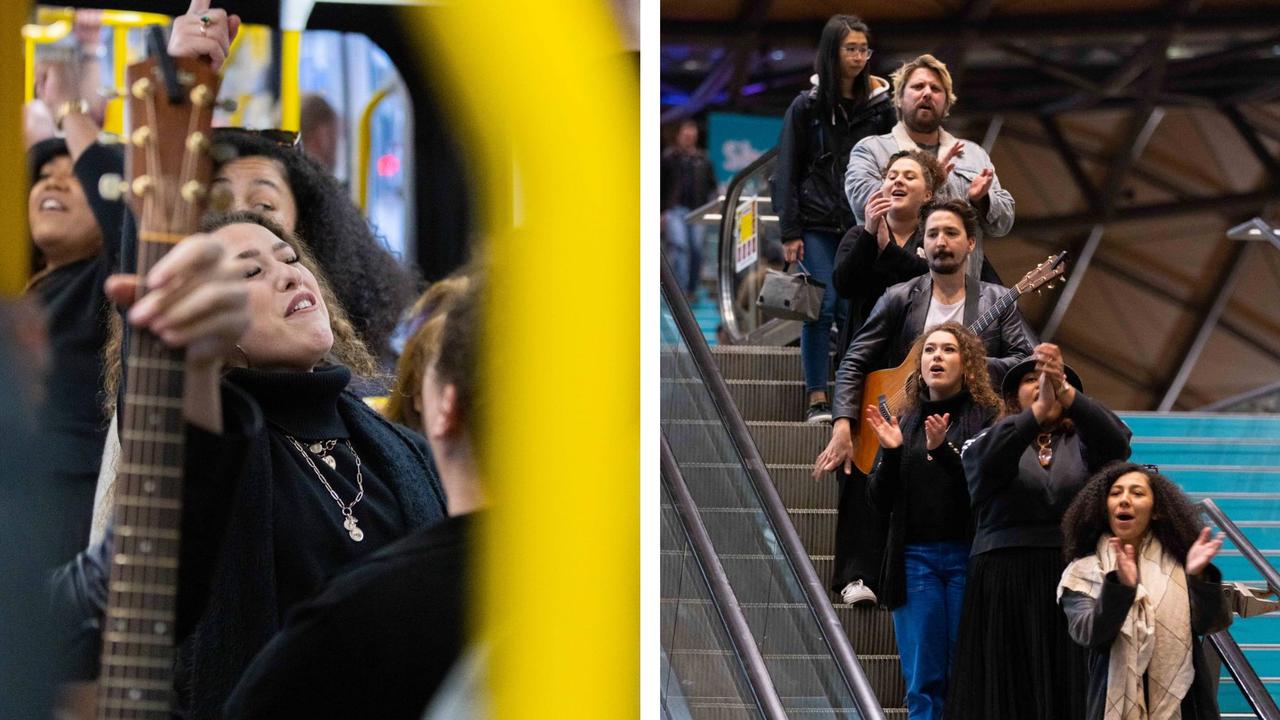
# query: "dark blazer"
[[898, 318], [1095, 622]]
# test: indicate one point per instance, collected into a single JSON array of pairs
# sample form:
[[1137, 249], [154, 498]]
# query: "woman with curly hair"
[[1014, 658], [284, 184], [1140, 592], [918, 486]]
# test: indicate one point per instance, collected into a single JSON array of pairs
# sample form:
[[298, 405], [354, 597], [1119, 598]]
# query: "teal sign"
[[734, 141]]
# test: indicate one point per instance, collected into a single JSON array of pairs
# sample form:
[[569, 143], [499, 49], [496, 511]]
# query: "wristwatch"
[[79, 106]]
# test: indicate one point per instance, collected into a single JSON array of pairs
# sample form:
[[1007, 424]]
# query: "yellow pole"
[[38, 35], [560, 434], [290, 53], [29, 71], [15, 258], [366, 143], [113, 121]]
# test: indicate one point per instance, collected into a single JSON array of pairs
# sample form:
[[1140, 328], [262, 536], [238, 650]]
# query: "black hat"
[[41, 153], [1009, 385]]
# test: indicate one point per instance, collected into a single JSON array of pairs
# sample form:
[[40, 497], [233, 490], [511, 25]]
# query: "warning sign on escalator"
[[746, 248]]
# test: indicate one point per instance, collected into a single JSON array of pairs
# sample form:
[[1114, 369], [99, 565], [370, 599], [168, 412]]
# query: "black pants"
[[860, 535]]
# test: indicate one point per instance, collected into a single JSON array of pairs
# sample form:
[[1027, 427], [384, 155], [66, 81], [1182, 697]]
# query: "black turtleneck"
[[939, 507], [310, 540]]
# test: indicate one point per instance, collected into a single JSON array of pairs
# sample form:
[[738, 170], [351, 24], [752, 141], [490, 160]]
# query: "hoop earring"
[[244, 355]]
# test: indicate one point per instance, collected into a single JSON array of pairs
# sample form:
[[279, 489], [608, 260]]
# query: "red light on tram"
[[388, 165]]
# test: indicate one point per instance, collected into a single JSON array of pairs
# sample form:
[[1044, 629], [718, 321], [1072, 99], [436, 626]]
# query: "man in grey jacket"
[[924, 96]]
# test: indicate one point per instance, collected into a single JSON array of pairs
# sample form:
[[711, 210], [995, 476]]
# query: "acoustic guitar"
[[167, 166], [892, 386]]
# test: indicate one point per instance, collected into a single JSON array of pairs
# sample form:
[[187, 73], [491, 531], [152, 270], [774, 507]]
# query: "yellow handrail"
[[290, 54], [366, 142], [15, 258]]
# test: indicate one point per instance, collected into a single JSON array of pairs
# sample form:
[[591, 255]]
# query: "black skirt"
[[1014, 658]]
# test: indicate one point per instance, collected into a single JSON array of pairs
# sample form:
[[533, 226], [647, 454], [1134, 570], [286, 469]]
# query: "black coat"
[[1095, 622], [862, 272], [1018, 503], [884, 486], [898, 319], [391, 627], [813, 152]]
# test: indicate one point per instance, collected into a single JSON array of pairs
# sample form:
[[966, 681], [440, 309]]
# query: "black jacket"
[[898, 318], [813, 152], [1095, 622], [1018, 503], [687, 179], [863, 272], [885, 486]]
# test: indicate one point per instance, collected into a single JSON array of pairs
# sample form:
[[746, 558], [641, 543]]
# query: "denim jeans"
[[926, 625], [683, 246], [815, 336]]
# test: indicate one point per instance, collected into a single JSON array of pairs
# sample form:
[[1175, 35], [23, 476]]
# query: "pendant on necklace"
[[316, 448], [330, 461], [352, 529], [1045, 456]]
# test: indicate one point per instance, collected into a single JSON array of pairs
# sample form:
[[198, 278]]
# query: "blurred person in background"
[[688, 182], [321, 131]]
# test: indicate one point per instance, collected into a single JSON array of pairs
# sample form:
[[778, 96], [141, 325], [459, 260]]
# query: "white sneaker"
[[855, 593]]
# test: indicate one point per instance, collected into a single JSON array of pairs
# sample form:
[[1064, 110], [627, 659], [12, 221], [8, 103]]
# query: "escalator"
[[772, 526]]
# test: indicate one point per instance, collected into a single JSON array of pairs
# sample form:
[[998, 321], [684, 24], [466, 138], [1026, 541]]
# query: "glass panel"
[[1234, 459], [799, 661], [701, 674], [745, 287]]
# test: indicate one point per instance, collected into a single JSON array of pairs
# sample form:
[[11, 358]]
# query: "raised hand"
[[889, 433], [1049, 362], [1202, 551], [1126, 562], [874, 211], [838, 452], [1045, 406], [935, 430], [203, 31], [948, 160], [981, 184]]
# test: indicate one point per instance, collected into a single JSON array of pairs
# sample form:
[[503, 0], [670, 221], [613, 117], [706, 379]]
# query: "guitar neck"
[[994, 312]]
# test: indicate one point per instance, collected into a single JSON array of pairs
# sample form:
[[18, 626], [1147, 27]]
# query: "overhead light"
[[782, 54]]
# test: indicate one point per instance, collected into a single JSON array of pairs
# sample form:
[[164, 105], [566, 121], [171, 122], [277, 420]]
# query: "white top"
[[939, 313]]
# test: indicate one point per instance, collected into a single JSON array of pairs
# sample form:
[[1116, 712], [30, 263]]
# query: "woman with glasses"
[[824, 122]]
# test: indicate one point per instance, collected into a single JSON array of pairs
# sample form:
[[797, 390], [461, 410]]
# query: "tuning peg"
[[112, 187], [197, 142], [141, 185], [193, 191], [201, 95], [141, 88], [140, 136]]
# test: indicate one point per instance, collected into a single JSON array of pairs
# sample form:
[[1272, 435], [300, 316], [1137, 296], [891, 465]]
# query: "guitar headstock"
[[1047, 271], [167, 162]]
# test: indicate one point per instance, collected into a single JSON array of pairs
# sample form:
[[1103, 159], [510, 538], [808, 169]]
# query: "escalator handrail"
[[1246, 678], [725, 251], [1251, 686], [722, 595], [1242, 543], [814, 590]]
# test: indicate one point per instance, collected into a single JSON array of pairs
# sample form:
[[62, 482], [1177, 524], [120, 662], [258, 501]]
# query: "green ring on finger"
[[205, 20]]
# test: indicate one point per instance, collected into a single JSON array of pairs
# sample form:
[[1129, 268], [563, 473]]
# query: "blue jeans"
[[926, 625], [815, 336], [683, 246]]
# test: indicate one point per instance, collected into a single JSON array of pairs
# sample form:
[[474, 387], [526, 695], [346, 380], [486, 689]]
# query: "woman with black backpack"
[[822, 125]]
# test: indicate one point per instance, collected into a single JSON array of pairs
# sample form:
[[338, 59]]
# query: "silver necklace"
[[348, 518], [323, 448]]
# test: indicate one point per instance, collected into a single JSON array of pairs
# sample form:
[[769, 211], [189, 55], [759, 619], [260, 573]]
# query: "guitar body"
[[887, 389]]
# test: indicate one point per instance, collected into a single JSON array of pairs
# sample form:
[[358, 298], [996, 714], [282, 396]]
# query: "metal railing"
[[724, 600], [814, 590], [1251, 686]]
